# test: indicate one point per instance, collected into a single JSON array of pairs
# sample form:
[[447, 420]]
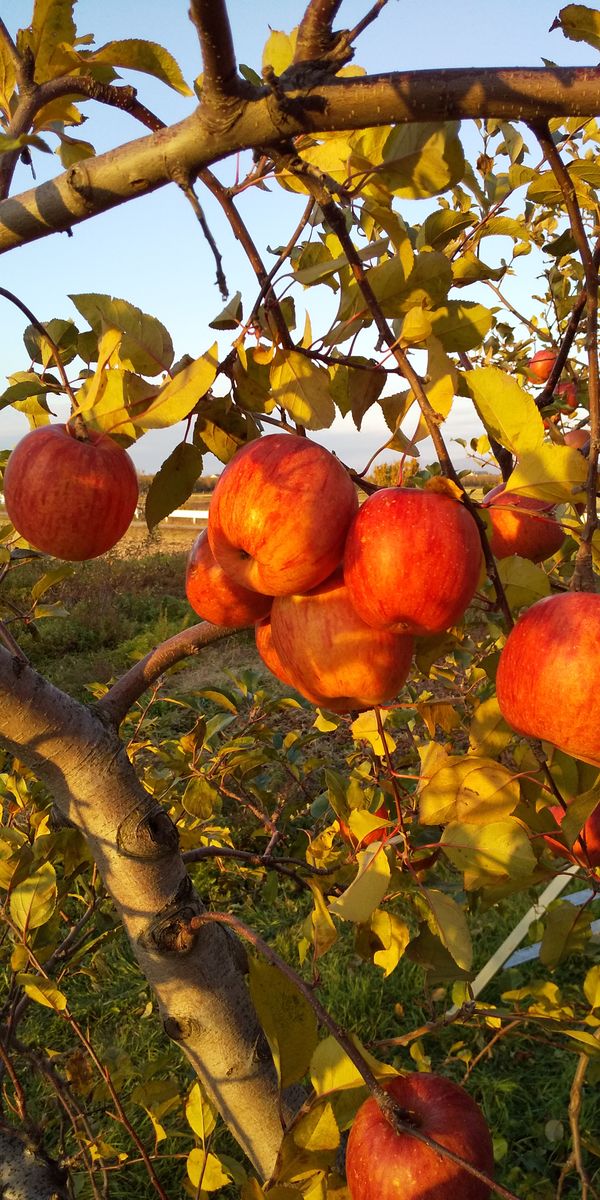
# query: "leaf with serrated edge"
[[331, 1070], [173, 484], [42, 991], [200, 1113], [139, 55], [180, 395], [302, 388], [508, 412]]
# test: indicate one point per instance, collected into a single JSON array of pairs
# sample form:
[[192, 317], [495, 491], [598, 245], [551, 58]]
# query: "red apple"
[[589, 854], [384, 1165], [280, 513], [214, 596], [329, 652], [412, 560], [264, 644], [566, 393], [547, 680], [577, 438], [540, 366], [519, 526], [70, 497]]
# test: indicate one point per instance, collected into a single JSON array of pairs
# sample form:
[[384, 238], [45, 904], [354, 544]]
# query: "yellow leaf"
[[450, 924], [302, 388], [42, 991], [489, 734], [486, 852], [139, 55], [179, 395], [470, 789], [200, 1113], [362, 822], [33, 900], [366, 890], [331, 1070], [442, 379], [508, 412], [288, 1020], [554, 473], [7, 78], [319, 926], [366, 729], [523, 581], [394, 935], [279, 50], [205, 1171], [318, 1130], [52, 26]]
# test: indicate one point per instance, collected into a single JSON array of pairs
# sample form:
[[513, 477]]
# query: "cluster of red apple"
[[337, 593], [70, 495]]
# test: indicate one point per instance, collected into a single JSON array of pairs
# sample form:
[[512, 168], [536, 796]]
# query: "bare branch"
[[123, 694], [220, 77], [140, 167], [315, 35]]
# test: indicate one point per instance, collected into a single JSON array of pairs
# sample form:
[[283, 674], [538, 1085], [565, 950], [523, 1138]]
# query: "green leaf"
[[32, 902], [231, 316], [422, 159], [442, 227], [461, 324], [200, 798], [173, 484], [523, 581], [64, 334], [580, 23], [52, 25], [450, 925], [302, 388], [368, 888], [566, 930], [50, 578], [139, 55], [554, 473], [42, 991], [288, 1020], [470, 789], [146, 345], [179, 395]]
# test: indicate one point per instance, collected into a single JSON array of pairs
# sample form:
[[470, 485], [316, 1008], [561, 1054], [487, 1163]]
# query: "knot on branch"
[[170, 933], [147, 833]]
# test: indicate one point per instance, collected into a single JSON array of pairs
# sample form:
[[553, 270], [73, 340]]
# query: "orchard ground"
[[122, 605]]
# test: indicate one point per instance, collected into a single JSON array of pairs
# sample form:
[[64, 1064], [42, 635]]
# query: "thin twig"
[[219, 77]]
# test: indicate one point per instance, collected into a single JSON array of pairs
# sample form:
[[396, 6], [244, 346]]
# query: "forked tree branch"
[[266, 118]]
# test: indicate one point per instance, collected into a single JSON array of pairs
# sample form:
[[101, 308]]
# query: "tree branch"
[[117, 701], [219, 78], [140, 167], [315, 33]]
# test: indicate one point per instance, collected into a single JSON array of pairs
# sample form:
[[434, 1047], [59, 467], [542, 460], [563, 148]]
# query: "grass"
[[119, 609]]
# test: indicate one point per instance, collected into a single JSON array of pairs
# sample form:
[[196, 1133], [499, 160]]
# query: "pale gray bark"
[[199, 982], [302, 102], [25, 1173]]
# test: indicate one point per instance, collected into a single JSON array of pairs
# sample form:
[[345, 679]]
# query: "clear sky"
[[151, 251]]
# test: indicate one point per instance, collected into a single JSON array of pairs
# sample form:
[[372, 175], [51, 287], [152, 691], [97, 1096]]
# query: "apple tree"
[[442, 796]]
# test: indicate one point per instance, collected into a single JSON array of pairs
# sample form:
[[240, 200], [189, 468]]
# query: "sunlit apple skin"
[[412, 560], [214, 596], [280, 513], [328, 651], [522, 525], [577, 438], [588, 855], [384, 1165], [264, 644], [548, 674], [540, 366], [566, 393], [70, 497]]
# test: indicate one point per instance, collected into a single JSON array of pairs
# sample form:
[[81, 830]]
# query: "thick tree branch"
[[140, 167], [200, 988], [219, 78]]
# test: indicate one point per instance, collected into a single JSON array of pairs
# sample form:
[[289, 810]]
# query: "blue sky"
[[151, 251]]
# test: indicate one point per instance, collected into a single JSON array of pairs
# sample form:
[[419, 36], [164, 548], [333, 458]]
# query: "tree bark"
[[26, 1173], [198, 981], [301, 103]]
